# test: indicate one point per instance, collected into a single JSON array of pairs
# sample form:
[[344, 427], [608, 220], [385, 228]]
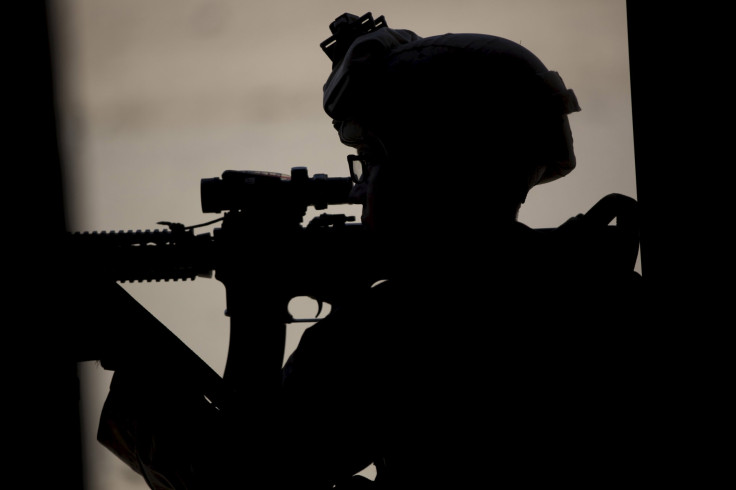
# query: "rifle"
[[261, 252], [265, 256]]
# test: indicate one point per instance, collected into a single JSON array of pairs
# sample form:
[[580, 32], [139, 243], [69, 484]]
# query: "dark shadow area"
[[684, 245], [41, 392]]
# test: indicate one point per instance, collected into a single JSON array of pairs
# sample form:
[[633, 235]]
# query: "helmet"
[[477, 84]]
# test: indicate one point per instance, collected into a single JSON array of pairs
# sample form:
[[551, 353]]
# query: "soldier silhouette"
[[490, 353]]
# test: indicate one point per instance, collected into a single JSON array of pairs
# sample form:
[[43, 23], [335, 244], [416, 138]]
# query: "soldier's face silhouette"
[[369, 190]]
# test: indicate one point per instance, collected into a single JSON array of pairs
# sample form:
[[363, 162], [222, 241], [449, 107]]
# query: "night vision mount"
[[346, 29]]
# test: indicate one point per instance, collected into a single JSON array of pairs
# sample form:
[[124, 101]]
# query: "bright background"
[[157, 95]]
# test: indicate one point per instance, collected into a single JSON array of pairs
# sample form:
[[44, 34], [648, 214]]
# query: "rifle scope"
[[245, 189]]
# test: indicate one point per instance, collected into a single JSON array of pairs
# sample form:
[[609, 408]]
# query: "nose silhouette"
[[358, 194]]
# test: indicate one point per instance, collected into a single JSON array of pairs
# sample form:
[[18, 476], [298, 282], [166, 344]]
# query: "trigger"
[[319, 308]]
